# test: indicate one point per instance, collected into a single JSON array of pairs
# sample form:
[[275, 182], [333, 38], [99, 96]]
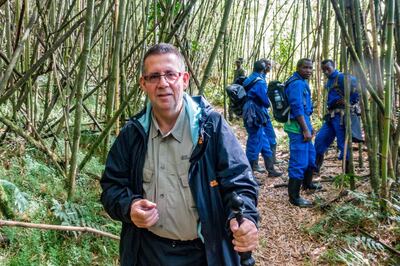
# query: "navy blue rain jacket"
[[255, 112], [218, 168]]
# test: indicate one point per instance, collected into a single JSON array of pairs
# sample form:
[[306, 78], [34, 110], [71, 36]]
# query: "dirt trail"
[[282, 237]]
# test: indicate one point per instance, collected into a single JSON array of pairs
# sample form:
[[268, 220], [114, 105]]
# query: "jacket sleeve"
[[117, 195], [234, 173], [295, 97]]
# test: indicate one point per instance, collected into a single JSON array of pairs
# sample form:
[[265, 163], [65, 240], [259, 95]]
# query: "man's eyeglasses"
[[155, 78]]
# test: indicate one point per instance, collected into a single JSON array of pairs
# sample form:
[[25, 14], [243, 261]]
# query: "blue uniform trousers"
[[326, 135], [257, 142], [302, 156], [269, 131]]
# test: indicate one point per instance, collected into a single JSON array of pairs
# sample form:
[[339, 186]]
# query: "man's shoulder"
[[134, 122], [295, 81]]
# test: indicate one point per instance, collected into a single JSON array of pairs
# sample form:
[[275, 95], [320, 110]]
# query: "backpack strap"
[[336, 86], [287, 82], [251, 84]]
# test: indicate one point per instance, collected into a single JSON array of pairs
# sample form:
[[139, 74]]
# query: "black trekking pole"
[[237, 207]]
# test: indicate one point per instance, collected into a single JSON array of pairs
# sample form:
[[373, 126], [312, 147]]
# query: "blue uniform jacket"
[[218, 168], [258, 91], [255, 112], [333, 95], [299, 96]]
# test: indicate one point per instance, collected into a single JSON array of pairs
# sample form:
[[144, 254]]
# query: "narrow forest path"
[[283, 239]]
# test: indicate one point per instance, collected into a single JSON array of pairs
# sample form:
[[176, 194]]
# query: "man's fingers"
[[233, 224], [148, 204], [145, 219], [144, 213], [144, 204], [245, 236]]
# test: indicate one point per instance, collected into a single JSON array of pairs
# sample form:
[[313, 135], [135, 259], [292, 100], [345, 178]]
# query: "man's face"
[[268, 67], [306, 69], [327, 69], [166, 91]]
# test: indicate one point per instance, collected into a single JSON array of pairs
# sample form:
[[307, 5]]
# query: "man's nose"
[[163, 81]]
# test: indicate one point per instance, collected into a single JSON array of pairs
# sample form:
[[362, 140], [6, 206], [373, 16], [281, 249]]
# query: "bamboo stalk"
[[38, 63], [207, 71], [113, 81], [79, 86], [354, 55], [84, 229], [388, 101], [17, 53]]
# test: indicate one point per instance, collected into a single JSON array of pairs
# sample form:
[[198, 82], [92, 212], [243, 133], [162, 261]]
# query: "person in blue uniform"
[[255, 117], [269, 129], [334, 126], [300, 132]]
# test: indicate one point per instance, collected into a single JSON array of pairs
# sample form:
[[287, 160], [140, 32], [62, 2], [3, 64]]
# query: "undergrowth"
[[37, 194], [351, 231]]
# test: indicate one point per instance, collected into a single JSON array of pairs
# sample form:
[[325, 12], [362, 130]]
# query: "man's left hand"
[[245, 237]]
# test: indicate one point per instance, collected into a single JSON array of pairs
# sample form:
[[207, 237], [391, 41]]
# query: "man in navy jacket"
[[178, 141]]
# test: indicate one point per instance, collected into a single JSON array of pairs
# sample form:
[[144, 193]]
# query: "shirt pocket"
[[187, 193], [148, 184]]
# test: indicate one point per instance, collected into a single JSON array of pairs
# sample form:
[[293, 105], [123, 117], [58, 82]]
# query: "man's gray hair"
[[164, 48]]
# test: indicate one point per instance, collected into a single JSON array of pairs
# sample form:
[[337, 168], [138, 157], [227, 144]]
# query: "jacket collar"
[[192, 109], [334, 74], [252, 77]]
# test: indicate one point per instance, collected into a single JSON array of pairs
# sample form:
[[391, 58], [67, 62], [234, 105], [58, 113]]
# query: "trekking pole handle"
[[237, 206]]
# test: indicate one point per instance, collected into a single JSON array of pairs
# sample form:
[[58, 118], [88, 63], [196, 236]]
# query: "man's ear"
[[142, 84], [186, 78]]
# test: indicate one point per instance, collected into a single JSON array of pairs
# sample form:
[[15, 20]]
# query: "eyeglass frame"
[[158, 76]]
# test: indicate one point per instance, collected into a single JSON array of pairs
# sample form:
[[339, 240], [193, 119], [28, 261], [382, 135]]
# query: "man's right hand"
[[307, 136], [144, 213]]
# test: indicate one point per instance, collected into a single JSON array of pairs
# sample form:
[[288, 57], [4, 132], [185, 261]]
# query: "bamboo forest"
[[71, 78]]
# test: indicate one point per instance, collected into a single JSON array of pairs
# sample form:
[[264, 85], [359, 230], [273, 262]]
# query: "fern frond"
[[352, 257], [20, 199], [369, 243]]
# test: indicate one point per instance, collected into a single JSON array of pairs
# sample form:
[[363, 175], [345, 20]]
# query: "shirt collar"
[[176, 132], [334, 74]]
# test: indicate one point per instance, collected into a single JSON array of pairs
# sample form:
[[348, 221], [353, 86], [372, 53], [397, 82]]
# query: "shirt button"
[[162, 166], [162, 196]]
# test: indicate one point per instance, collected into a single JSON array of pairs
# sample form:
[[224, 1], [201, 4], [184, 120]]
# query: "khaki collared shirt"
[[165, 180]]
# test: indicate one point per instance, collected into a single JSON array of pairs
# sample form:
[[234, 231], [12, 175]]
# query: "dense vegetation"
[[69, 80]]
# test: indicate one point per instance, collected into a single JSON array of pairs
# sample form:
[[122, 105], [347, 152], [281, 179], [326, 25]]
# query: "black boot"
[[273, 149], [308, 183], [256, 167], [269, 165], [347, 167], [294, 194], [319, 160]]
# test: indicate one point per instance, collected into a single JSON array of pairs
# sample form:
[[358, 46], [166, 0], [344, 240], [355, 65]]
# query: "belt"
[[174, 242]]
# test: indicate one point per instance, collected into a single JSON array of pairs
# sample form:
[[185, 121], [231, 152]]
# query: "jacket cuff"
[[297, 112], [126, 208]]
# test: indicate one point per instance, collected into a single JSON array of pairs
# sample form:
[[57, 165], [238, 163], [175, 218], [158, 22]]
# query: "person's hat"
[[239, 60], [259, 66]]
